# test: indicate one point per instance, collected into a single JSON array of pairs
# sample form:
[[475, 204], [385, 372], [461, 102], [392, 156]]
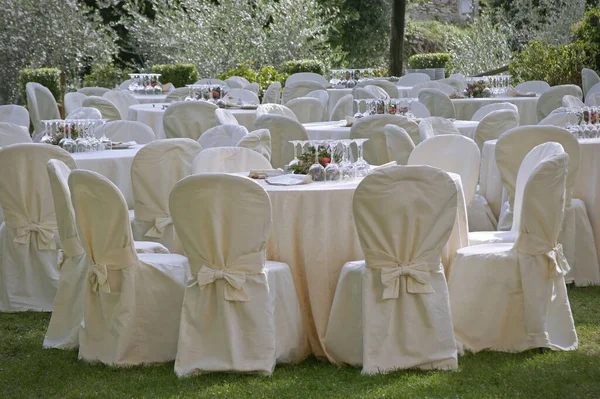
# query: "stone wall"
[[439, 10]]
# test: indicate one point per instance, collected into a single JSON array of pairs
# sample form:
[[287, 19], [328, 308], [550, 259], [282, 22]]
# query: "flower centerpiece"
[[307, 158], [478, 89]]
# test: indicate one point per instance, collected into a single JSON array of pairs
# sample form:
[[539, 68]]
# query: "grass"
[[28, 371]]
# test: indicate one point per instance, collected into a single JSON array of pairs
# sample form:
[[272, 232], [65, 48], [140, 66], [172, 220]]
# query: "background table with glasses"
[[466, 107], [150, 98]]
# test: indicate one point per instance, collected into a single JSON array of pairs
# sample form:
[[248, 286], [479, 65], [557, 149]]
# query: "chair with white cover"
[[306, 76], [41, 105], [240, 312], [300, 89], [93, 91], [224, 117], [189, 119], [11, 133], [72, 101], [133, 302], [259, 141], [107, 108], [273, 94], [443, 87], [396, 300], [122, 100], [322, 96], [376, 91], [222, 136], [552, 99], [593, 90], [361, 93], [283, 130], [390, 88], [457, 84], [84, 113], [399, 144], [28, 265], [593, 100], [486, 109], [532, 86], [125, 131], [589, 78], [419, 110], [243, 95], [437, 102], [512, 297], [275, 109], [215, 82], [155, 170], [178, 94], [236, 82], [125, 84], [343, 108], [16, 114], [435, 126], [494, 124], [570, 101], [413, 79], [375, 150], [253, 87], [228, 160], [560, 117], [307, 109]]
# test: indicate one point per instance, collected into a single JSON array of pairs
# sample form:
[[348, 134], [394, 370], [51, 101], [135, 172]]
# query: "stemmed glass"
[[47, 137], [346, 167], [358, 114], [67, 143], [316, 170], [332, 171], [83, 144], [294, 161], [361, 166]]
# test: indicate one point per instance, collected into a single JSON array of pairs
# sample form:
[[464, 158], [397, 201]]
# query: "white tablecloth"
[[466, 107], [404, 91], [152, 115], [313, 231], [151, 98], [334, 97]]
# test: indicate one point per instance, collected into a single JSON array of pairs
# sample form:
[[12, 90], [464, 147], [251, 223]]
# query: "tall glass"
[[332, 171], [294, 161], [361, 166], [346, 167], [316, 170]]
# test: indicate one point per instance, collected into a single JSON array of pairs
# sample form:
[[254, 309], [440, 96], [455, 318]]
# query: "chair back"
[[41, 105], [437, 102], [592, 100], [243, 95], [11, 133], [283, 130], [486, 109], [390, 89], [307, 109], [73, 101], [301, 88], [494, 124], [189, 119], [259, 141], [413, 79], [253, 87], [224, 117], [122, 100], [443, 87], [93, 91], [222, 136], [570, 101], [211, 81], [228, 160], [589, 78], [533, 86], [399, 144], [127, 131], [107, 108], [84, 113], [552, 99], [16, 114], [435, 126], [343, 108], [275, 109], [419, 110], [178, 94], [236, 82], [306, 76], [273, 94]]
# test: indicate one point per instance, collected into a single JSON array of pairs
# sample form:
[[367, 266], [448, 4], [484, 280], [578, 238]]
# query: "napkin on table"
[[512, 92], [289, 180], [264, 173]]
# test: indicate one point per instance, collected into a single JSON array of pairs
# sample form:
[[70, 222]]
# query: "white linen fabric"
[[570, 101], [132, 302], [593, 99], [228, 160], [412, 79], [486, 109], [397, 298], [13, 134], [594, 89], [361, 93], [211, 81], [125, 84], [107, 108], [459, 85], [93, 91], [512, 297], [300, 89], [41, 105], [443, 87], [275, 109], [189, 119], [532, 86], [222, 136], [84, 113], [376, 91], [494, 124], [178, 94], [323, 97], [28, 265], [233, 307], [307, 109], [16, 114], [236, 82], [435, 126], [283, 130], [259, 141], [122, 100], [589, 78], [390, 88], [306, 76], [399, 144], [243, 95], [467, 107], [225, 117], [552, 99], [559, 117], [372, 128], [437, 102], [155, 170], [126, 131], [343, 108], [273, 94], [419, 110], [253, 87]]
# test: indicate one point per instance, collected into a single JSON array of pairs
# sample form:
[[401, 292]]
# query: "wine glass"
[[294, 161], [361, 166], [67, 143], [47, 137], [316, 170], [346, 167], [332, 171], [157, 85]]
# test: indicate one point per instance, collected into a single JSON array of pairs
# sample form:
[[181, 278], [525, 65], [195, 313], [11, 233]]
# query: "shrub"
[[381, 72], [264, 77], [588, 31], [431, 60], [295, 66], [49, 77], [178, 75], [106, 76], [244, 70]]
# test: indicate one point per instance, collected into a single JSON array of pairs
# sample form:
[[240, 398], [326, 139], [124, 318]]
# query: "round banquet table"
[[466, 107], [335, 131], [152, 115], [587, 184], [334, 97], [150, 98], [313, 232]]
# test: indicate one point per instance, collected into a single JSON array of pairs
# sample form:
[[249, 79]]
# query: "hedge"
[[178, 75], [49, 77], [430, 60], [295, 66]]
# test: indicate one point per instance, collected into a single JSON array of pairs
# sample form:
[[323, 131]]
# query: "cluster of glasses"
[[212, 93], [145, 83], [498, 84], [584, 122], [349, 77], [75, 135], [346, 169], [381, 106]]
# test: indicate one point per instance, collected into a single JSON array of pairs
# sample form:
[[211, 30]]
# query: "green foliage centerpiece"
[[307, 158], [478, 89]]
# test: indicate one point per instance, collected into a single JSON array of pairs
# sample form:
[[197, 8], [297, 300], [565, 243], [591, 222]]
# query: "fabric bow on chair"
[[116, 259], [160, 224], [45, 234], [532, 245]]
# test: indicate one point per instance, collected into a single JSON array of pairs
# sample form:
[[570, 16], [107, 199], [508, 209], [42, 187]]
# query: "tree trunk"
[[397, 37]]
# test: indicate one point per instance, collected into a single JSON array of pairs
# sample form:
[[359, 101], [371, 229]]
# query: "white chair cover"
[[259, 141], [451, 153], [273, 94], [343, 108], [559, 117], [93, 91], [412, 79], [361, 93], [236, 82], [275, 109], [494, 124], [84, 113], [399, 144], [283, 130], [306, 76], [127, 131], [211, 82], [323, 97], [222, 136], [390, 88], [155, 170], [132, 302], [435, 126], [189, 119], [107, 108], [228, 160], [253, 87], [125, 84], [245, 96], [371, 127], [300, 89], [28, 265], [230, 317], [14, 114], [419, 110], [589, 78], [459, 85], [594, 89], [122, 100], [307, 109], [13, 134], [443, 87], [570, 101], [486, 109], [592, 99], [376, 91], [73, 101], [552, 99], [41, 105], [396, 300], [224, 117], [178, 94], [512, 297], [533, 86], [437, 102]]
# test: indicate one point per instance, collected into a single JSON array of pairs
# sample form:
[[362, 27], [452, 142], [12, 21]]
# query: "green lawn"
[[28, 371]]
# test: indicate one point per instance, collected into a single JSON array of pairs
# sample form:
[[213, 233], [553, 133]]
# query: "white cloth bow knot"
[[160, 224], [99, 278], [116, 259], [45, 235], [560, 265]]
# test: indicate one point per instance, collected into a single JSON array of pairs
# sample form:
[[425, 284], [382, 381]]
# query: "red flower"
[[325, 161]]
